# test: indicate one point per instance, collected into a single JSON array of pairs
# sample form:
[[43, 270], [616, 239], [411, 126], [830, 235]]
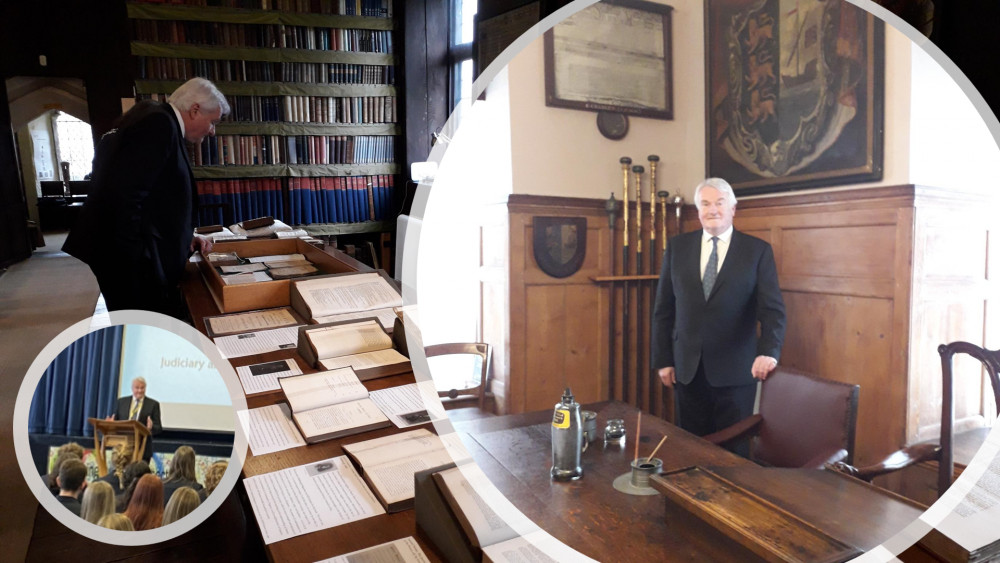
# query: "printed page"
[[242, 268], [386, 317], [375, 359], [305, 392], [241, 279], [370, 453], [394, 478], [343, 340], [261, 378], [310, 497], [405, 405], [339, 417], [406, 550], [278, 258], [249, 343], [536, 547], [346, 294], [251, 321], [974, 499], [270, 429], [487, 527]]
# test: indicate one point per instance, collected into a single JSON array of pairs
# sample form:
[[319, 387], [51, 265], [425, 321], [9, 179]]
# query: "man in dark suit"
[[715, 286], [143, 409], [136, 228]]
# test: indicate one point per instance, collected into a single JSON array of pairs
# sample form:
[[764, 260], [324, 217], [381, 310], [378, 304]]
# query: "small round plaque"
[[612, 125]]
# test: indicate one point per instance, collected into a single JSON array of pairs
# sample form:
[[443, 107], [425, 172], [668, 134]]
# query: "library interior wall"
[[559, 152]]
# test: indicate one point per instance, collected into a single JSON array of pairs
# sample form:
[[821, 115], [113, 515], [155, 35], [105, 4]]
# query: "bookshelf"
[[314, 135]]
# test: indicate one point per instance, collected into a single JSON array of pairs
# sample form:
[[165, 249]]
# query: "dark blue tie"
[[711, 268]]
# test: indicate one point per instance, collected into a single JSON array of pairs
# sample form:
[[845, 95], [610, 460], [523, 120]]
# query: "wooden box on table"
[[275, 293]]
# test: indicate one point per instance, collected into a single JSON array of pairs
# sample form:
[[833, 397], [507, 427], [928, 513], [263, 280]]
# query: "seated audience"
[[98, 502], [116, 522], [130, 477], [69, 450], [213, 475], [145, 509], [181, 473], [121, 456], [72, 479], [182, 502]]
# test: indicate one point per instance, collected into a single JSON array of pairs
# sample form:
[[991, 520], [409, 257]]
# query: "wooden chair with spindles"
[[475, 396], [943, 451]]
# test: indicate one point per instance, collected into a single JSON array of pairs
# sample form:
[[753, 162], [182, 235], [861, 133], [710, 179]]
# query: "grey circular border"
[[42, 493]]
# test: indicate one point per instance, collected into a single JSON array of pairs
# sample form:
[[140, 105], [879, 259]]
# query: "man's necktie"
[[133, 414], [711, 268]]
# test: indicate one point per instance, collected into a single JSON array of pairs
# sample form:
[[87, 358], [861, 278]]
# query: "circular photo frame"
[[203, 350]]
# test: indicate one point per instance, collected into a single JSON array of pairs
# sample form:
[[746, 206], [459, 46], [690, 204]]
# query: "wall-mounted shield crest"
[[560, 244]]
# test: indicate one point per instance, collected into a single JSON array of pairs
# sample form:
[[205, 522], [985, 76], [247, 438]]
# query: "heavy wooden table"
[[607, 525], [332, 541]]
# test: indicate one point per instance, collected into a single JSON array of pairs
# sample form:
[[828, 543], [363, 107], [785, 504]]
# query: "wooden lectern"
[[129, 432]]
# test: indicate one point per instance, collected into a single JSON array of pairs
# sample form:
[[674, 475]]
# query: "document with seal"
[[309, 497]]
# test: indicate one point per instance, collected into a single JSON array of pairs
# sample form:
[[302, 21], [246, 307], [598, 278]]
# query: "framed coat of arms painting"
[[794, 93]]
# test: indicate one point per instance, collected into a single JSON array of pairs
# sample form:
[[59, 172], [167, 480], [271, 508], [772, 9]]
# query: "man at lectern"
[[141, 408]]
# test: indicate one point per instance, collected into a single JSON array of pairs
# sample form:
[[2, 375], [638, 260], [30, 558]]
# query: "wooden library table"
[[332, 541], [608, 525]]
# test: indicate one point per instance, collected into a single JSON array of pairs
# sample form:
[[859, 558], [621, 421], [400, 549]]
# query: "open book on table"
[[344, 293], [360, 344], [331, 404], [389, 463]]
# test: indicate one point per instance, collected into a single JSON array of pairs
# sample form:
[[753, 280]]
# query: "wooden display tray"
[[761, 527], [275, 293]]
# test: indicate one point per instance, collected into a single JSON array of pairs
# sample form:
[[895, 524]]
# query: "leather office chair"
[[803, 421], [474, 394], [941, 452]]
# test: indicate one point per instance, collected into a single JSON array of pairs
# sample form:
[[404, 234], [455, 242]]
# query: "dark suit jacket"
[[137, 221], [722, 330], [72, 503], [150, 408]]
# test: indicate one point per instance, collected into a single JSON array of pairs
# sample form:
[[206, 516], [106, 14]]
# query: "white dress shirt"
[[722, 249]]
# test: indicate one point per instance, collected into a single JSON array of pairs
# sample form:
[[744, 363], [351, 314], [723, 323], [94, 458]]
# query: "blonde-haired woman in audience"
[[214, 474], [181, 473], [98, 502], [182, 502], [145, 510], [116, 522]]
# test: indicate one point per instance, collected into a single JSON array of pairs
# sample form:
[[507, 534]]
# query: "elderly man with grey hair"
[[136, 228], [141, 408], [716, 285]]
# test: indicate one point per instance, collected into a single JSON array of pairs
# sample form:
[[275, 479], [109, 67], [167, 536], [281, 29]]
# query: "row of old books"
[[217, 70], [325, 109], [342, 199], [246, 198], [350, 199], [369, 8], [306, 109], [263, 36], [252, 150]]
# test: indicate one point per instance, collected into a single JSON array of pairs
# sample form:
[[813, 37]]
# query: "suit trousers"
[[703, 409], [124, 289]]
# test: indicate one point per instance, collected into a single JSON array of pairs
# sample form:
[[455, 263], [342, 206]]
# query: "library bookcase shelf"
[[247, 16], [262, 54], [175, 40], [291, 170], [274, 88], [305, 128]]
